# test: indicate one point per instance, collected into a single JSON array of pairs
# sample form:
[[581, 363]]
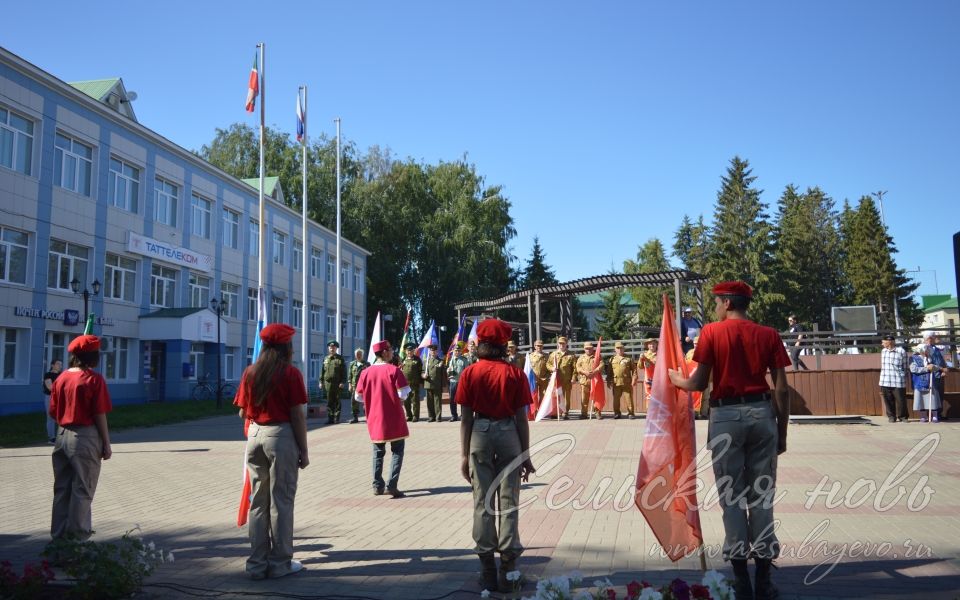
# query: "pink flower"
[[633, 590], [611, 594], [700, 592]]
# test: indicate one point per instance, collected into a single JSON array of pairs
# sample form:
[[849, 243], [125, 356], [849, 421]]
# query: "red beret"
[[733, 288], [494, 331], [277, 333], [84, 343], [381, 346]]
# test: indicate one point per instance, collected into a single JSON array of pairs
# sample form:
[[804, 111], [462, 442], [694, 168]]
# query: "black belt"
[[747, 399]]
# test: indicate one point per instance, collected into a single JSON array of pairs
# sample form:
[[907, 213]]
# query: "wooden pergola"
[[563, 293]]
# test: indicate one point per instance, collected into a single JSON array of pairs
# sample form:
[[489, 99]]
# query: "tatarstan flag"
[[253, 86]]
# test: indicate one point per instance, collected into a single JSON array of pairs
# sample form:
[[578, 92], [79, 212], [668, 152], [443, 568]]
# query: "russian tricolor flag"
[[301, 117]]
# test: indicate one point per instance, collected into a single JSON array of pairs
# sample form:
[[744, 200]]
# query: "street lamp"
[[219, 307], [75, 286]]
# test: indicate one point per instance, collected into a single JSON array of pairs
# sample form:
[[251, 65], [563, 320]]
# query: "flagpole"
[[339, 264], [305, 247], [263, 97]]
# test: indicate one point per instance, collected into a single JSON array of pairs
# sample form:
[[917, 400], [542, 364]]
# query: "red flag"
[[253, 87], [597, 392], [666, 476], [244, 509]]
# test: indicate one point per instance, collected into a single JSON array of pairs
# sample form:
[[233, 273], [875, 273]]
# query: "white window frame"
[[254, 238], [345, 275], [278, 309], [21, 142], [316, 262], [199, 290], [166, 200], [357, 279], [197, 360], [74, 258], [120, 277], [279, 247], [249, 356], [72, 164], [314, 368], [297, 258], [10, 340], [115, 358], [55, 347], [331, 265], [230, 292], [163, 286], [315, 323], [230, 363], [123, 185], [296, 314], [230, 228], [331, 320], [8, 248], [357, 328], [252, 301], [201, 211]]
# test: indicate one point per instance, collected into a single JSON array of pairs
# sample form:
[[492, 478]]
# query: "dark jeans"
[[795, 359], [895, 401], [379, 451], [453, 400]]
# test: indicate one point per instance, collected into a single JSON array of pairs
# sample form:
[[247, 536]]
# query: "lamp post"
[[219, 307], [75, 286], [440, 352], [883, 221]]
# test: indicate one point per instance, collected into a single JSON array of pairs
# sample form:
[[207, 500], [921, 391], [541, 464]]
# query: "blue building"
[[90, 199]]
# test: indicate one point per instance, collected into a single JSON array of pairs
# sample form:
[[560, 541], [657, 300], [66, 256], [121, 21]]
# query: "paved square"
[[859, 538]]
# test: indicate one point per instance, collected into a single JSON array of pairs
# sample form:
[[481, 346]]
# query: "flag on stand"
[[253, 87], [666, 489], [375, 337], [301, 117], [550, 404], [532, 382], [473, 337], [430, 337], [456, 338], [597, 392], [244, 509]]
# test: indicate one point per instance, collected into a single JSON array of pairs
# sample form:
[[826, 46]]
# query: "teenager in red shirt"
[[272, 395], [739, 353], [79, 403], [494, 435]]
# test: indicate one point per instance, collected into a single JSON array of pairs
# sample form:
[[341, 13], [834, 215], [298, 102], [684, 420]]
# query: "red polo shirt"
[[77, 396], [494, 388], [740, 353], [286, 391]]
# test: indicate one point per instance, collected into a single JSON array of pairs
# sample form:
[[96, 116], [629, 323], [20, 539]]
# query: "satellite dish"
[[131, 96]]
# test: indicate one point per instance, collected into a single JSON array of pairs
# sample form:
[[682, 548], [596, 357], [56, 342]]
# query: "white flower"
[[513, 576], [485, 594], [151, 546], [575, 576], [650, 594], [170, 557]]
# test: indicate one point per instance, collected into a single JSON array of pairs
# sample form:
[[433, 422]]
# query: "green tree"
[[613, 322], [742, 239], [691, 246], [651, 258]]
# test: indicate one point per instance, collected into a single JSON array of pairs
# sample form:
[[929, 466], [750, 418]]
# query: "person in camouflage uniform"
[[333, 375], [471, 355], [623, 376], [512, 357], [356, 367], [565, 363], [585, 372], [457, 364], [538, 362], [412, 368], [433, 373]]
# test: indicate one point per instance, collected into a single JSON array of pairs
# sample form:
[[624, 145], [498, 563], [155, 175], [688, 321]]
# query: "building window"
[[9, 365], [165, 199], [345, 275], [72, 164], [297, 255], [276, 310], [16, 141], [314, 317], [296, 312], [114, 357], [123, 185], [316, 262], [252, 304], [357, 328], [279, 247], [163, 286], [344, 327], [120, 278], [254, 237], [230, 236], [230, 293], [230, 363], [196, 359], [249, 356], [357, 279], [331, 265], [55, 348], [199, 290], [314, 372], [200, 216], [331, 319], [66, 261], [14, 250]]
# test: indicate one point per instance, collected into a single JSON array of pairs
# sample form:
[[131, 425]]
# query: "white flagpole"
[[263, 97], [305, 248], [339, 264]]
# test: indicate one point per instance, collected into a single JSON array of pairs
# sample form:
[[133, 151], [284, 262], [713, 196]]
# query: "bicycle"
[[207, 390]]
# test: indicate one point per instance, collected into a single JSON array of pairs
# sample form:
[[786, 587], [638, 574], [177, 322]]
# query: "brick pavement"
[[181, 483]]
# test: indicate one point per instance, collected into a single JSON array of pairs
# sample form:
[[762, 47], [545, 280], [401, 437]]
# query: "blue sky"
[[604, 122]]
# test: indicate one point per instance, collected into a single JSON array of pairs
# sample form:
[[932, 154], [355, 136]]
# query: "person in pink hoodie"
[[382, 388]]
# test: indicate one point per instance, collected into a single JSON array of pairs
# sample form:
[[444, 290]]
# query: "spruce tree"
[[651, 258], [613, 322]]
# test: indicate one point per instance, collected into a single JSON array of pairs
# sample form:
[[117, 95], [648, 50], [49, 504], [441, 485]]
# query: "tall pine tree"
[[651, 258], [613, 322]]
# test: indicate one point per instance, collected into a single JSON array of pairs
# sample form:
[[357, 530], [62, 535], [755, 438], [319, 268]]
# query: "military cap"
[[889, 337], [618, 345], [409, 346], [562, 340], [381, 346], [333, 343], [687, 309], [84, 343], [494, 331], [733, 288], [538, 342], [587, 345], [277, 333], [461, 344], [651, 339]]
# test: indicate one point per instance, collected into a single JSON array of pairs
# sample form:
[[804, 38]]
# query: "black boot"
[[764, 588], [488, 573], [741, 579], [508, 563]]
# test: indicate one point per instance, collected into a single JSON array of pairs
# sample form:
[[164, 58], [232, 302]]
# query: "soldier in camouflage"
[[356, 367], [333, 375], [433, 374], [412, 368], [565, 363]]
